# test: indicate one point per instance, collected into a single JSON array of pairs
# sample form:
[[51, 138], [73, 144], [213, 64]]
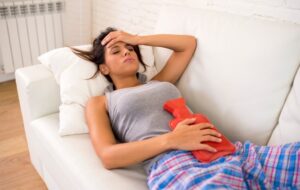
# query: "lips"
[[128, 59]]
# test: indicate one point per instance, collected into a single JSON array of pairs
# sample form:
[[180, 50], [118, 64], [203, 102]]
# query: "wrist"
[[167, 141], [138, 39]]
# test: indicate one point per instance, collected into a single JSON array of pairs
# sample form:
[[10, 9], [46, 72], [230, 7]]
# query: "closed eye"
[[130, 48], [115, 50]]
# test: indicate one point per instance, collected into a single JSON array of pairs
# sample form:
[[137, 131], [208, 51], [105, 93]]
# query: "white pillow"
[[60, 59], [71, 73]]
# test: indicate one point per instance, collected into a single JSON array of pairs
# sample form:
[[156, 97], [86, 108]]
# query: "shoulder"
[[96, 102]]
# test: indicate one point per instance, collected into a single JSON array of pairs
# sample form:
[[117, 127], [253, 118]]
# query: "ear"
[[104, 69]]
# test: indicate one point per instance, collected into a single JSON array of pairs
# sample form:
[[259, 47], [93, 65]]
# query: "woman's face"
[[121, 60]]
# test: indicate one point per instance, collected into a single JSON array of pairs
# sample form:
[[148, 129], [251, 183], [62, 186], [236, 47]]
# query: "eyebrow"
[[117, 46]]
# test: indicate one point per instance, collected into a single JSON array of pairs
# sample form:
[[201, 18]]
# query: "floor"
[[16, 171]]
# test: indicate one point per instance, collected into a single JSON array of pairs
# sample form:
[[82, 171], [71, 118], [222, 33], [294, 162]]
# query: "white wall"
[[77, 22], [84, 19], [140, 16]]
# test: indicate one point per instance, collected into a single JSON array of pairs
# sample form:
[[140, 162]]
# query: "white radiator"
[[28, 28]]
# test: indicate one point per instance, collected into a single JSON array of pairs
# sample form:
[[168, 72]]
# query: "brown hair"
[[97, 53]]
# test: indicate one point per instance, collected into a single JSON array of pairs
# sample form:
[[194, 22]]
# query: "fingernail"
[[219, 134], [215, 150], [220, 140]]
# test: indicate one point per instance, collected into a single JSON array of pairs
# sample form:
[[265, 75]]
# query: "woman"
[[128, 125]]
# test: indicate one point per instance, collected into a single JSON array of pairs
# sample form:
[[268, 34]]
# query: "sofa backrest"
[[242, 69]]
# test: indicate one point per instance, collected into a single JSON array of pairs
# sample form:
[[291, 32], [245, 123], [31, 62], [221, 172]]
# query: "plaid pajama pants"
[[250, 167]]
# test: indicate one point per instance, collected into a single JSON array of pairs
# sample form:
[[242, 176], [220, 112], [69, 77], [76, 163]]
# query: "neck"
[[126, 82]]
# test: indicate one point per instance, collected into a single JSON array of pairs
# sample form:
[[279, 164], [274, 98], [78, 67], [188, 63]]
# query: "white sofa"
[[242, 76]]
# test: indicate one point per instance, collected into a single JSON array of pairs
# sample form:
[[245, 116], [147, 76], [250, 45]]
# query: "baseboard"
[[7, 77]]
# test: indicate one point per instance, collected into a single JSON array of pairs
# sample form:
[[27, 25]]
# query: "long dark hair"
[[96, 54]]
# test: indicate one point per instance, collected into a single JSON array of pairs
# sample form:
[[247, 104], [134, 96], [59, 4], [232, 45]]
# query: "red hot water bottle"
[[179, 110]]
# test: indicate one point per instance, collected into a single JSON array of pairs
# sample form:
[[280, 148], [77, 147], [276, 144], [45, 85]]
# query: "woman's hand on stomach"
[[189, 136]]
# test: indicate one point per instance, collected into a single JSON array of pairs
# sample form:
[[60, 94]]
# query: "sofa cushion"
[[242, 69], [288, 128], [72, 161]]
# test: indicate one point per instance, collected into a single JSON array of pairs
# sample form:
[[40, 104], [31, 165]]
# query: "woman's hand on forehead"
[[117, 36]]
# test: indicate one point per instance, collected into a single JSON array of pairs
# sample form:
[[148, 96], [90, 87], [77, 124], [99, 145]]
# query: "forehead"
[[118, 44]]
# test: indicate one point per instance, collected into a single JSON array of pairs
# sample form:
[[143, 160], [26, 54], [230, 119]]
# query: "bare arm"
[[183, 47], [115, 155]]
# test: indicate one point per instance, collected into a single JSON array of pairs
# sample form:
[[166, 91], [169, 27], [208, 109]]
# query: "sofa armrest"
[[38, 92]]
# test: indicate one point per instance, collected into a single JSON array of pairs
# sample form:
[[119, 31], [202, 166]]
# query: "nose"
[[126, 52]]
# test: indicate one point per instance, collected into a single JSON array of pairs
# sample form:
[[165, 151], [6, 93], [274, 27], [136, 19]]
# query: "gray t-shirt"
[[136, 113]]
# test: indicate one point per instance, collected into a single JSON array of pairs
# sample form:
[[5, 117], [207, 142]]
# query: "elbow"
[[107, 166], [193, 42], [107, 160]]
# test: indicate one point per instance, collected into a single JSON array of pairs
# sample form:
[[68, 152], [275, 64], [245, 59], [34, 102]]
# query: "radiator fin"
[[28, 28]]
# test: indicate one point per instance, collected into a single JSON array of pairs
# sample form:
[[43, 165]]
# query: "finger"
[[112, 42], [207, 147], [108, 37], [210, 138], [204, 125], [105, 40], [187, 121], [210, 132]]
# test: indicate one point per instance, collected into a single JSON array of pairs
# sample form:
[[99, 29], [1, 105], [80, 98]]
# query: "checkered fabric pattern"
[[250, 167]]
